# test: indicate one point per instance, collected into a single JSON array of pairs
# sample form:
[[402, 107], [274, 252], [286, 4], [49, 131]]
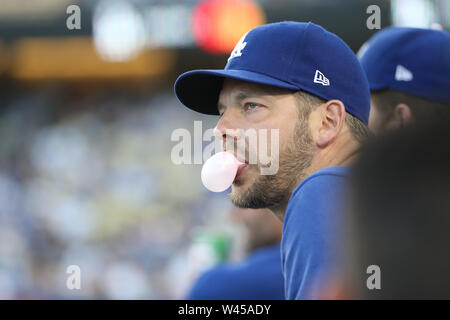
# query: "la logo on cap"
[[319, 77], [237, 51], [403, 74]]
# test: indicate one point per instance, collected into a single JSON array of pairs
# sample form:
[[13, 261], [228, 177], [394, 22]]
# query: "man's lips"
[[240, 170], [241, 166], [239, 158]]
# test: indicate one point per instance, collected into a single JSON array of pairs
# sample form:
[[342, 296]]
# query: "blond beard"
[[270, 191]]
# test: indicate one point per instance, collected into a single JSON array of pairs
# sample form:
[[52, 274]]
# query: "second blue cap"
[[410, 60]]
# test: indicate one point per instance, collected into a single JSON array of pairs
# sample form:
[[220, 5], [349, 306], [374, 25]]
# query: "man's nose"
[[228, 126]]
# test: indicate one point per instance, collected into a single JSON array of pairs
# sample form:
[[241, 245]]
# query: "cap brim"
[[199, 89]]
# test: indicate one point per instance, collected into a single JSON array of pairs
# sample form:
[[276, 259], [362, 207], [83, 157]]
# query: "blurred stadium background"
[[85, 122]]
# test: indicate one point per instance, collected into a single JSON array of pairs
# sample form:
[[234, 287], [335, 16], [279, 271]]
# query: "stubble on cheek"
[[265, 191]]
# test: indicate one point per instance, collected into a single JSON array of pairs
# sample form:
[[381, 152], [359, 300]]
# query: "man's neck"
[[279, 210], [342, 152]]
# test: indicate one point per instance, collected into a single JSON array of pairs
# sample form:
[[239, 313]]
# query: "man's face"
[[245, 106]]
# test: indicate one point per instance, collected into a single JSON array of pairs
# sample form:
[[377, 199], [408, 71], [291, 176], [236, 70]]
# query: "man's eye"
[[251, 106]]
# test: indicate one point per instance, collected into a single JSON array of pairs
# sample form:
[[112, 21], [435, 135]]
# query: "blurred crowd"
[[87, 180]]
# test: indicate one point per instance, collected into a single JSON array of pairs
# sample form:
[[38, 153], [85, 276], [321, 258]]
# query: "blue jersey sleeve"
[[310, 234]]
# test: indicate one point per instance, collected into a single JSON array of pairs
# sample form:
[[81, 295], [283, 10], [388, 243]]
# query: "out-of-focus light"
[[217, 25], [118, 31], [436, 26], [75, 58], [168, 25], [412, 13]]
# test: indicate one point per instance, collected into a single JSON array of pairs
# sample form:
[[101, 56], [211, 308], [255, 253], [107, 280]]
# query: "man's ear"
[[401, 117], [332, 121], [403, 114]]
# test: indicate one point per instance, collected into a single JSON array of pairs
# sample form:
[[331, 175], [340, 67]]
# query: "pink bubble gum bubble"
[[219, 171]]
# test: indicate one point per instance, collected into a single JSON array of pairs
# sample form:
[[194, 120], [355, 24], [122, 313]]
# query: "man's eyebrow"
[[243, 94], [239, 96]]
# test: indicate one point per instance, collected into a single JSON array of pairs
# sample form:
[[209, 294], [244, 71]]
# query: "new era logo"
[[319, 77], [403, 74]]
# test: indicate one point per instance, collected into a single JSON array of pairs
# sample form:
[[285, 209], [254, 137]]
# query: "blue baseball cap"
[[411, 60], [290, 55]]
